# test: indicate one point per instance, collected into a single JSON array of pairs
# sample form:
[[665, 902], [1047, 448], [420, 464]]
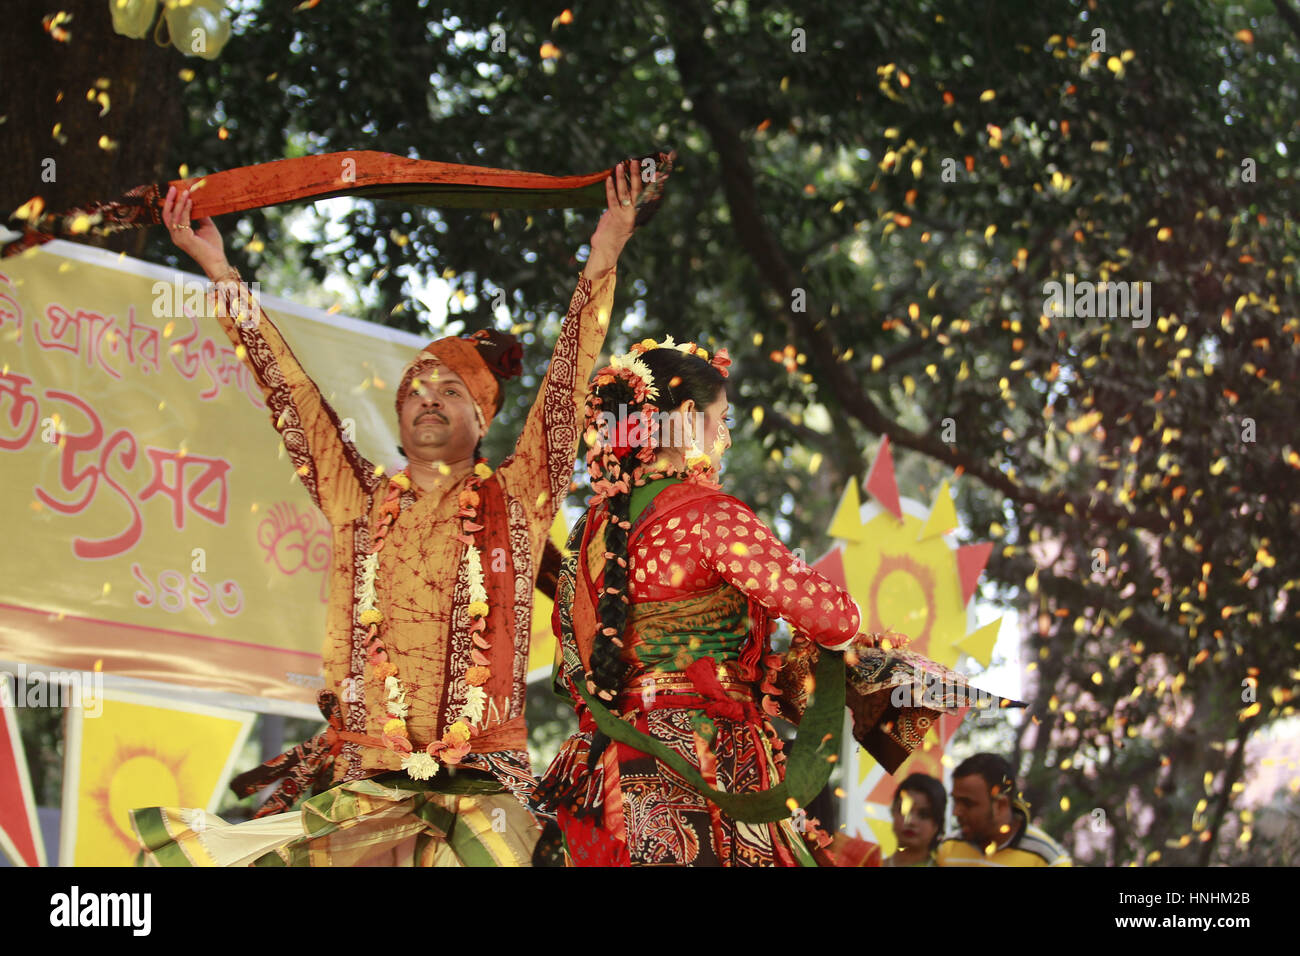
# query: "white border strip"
[[71, 784], [181, 692], [7, 846]]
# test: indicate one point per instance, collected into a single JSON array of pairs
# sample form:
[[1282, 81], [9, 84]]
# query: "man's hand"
[[618, 220], [203, 245]]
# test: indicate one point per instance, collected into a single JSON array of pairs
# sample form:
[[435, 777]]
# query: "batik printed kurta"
[[705, 575], [420, 583]]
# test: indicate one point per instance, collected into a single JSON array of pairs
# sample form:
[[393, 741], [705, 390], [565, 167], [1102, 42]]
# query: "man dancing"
[[425, 759]]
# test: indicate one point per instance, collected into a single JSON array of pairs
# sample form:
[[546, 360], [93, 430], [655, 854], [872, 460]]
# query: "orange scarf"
[[365, 173]]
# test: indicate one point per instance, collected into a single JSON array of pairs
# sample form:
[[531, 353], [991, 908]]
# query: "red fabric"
[[306, 178], [853, 851], [726, 708], [589, 843], [366, 173], [707, 538], [493, 541], [704, 675], [15, 791]]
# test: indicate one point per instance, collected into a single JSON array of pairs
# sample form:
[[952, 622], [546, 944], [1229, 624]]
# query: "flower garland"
[[720, 359], [455, 742]]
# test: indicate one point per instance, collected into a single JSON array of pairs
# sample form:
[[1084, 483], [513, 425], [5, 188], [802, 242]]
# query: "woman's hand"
[[203, 245], [618, 220]]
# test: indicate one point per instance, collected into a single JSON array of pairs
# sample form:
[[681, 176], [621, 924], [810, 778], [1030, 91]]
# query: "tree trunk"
[[46, 82]]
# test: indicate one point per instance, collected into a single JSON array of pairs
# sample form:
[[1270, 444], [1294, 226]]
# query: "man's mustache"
[[431, 414]]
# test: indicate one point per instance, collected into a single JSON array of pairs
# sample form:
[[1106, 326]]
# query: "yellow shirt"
[[1030, 847], [421, 556]]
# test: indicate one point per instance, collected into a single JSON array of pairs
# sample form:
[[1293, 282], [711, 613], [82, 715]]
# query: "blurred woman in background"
[[918, 811]]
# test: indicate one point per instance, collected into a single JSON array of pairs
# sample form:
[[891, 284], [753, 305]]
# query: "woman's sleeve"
[[745, 552]]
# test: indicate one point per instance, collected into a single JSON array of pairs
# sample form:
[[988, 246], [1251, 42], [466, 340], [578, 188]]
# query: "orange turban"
[[484, 361]]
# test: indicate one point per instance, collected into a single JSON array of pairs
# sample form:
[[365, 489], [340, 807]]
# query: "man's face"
[[438, 420], [974, 808]]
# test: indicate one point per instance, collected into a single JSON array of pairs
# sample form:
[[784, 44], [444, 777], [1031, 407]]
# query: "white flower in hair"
[[638, 368]]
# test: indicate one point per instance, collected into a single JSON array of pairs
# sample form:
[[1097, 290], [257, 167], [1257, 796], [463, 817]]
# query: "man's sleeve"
[[1061, 859], [541, 467], [333, 471]]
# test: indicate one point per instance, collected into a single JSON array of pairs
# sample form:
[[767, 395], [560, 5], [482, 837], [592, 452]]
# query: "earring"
[[695, 456]]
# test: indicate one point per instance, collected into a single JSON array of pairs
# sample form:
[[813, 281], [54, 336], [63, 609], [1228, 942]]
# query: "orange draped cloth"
[[364, 173]]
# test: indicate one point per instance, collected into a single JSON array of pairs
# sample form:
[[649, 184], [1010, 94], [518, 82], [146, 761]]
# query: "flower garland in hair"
[[720, 361], [605, 453], [455, 741]]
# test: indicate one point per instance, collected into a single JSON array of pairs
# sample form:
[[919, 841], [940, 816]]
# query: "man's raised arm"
[[541, 468], [334, 473]]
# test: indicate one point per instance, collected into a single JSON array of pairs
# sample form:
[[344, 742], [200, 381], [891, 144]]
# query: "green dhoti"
[[385, 821]]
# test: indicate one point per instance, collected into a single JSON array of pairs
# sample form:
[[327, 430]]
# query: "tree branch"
[[1289, 15], [1230, 776], [773, 264]]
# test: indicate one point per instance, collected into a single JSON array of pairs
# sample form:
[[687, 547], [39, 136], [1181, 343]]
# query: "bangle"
[[229, 274]]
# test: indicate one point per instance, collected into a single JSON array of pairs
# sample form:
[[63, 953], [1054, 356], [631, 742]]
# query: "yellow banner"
[[140, 752], [152, 518], [543, 650]]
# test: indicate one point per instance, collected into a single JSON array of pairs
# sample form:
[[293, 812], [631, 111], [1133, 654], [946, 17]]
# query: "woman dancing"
[[663, 612]]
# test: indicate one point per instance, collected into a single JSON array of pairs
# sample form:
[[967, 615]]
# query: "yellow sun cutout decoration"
[[893, 557], [141, 752], [138, 775]]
